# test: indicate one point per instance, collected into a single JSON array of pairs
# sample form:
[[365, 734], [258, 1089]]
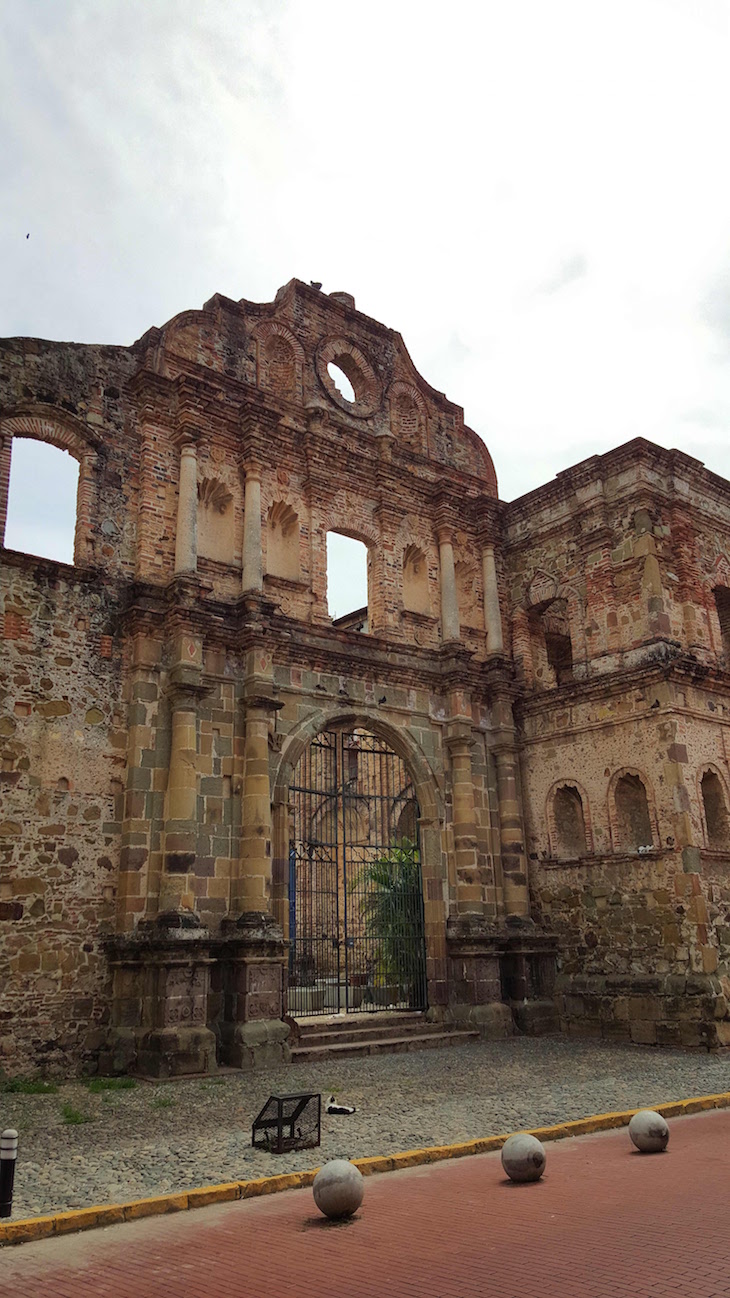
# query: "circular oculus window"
[[347, 377]]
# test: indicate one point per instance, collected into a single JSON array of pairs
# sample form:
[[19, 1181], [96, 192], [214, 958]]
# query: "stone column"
[[6, 447], [253, 574], [186, 536], [492, 615], [450, 629]]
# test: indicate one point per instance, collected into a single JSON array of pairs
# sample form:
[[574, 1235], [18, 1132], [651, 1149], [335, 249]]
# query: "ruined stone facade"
[[553, 673]]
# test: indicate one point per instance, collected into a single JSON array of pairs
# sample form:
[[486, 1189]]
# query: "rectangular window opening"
[[347, 582]]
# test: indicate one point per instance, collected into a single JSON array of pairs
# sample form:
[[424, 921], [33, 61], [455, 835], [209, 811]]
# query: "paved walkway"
[[172, 1136], [603, 1223]]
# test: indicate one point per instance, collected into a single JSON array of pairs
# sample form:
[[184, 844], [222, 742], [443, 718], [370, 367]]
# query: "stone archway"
[[427, 819]]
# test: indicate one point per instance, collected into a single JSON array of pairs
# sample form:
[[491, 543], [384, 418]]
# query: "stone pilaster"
[[181, 798], [252, 887], [450, 628], [515, 888], [458, 740], [186, 535]]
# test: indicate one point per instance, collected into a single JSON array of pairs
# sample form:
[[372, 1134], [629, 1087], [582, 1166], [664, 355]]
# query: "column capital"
[[187, 434], [250, 470], [445, 534]]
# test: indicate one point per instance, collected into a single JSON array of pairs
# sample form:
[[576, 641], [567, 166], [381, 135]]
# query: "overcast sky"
[[536, 193]]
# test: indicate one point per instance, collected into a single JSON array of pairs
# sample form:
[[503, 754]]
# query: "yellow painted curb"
[[62, 1223]]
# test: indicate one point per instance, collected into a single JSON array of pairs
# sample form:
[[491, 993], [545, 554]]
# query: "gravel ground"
[[172, 1136]]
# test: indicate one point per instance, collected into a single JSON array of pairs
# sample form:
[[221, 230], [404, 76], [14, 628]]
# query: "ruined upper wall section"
[[624, 555], [284, 347]]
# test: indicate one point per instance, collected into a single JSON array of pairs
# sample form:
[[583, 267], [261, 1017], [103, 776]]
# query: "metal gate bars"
[[356, 928]]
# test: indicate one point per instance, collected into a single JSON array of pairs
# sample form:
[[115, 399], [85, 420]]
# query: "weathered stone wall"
[[62, 743], [629, 549]]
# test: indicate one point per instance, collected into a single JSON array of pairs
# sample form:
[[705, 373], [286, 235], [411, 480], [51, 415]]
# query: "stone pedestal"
[[528, 966], [252, 1032], [160, 999], [475, 990]]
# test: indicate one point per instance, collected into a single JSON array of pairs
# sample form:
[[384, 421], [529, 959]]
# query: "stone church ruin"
[[497, 796]]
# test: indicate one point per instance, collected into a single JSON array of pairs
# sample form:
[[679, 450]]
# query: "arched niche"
[[714, 803], [282, 541], [631, 812], [568, 820], [216, 524], [279, 360], [408, 416], [416, 595]]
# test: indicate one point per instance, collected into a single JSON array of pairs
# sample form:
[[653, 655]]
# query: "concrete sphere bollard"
[[649, 1132], [523, 1157], [338, 1188]]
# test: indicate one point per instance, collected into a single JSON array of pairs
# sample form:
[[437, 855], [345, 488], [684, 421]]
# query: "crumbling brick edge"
[[64, 1223]]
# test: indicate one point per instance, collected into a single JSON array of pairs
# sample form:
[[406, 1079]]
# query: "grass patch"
[[73, 1117], [214, 1081], [27, 1086], [98, 1084], [163, 1102]]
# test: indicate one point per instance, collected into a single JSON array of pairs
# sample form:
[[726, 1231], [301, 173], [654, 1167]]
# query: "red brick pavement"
[[603, 1223]]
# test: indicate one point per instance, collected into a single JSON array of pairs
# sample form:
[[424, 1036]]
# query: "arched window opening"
[[633, 823], [42, 500], [570, 828], [347, 582], [416, 598], [722, 604], [716, 817]]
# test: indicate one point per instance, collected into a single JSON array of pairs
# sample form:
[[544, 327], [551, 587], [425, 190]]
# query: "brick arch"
[[265, 334], [553, 831], [355, 365], [425, 780], [46, 423], [613, 821], [709, 768]]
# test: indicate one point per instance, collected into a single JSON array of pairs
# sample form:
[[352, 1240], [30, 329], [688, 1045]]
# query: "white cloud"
[[448, 171]]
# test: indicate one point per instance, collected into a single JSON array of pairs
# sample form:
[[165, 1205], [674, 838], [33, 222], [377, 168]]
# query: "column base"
[[251, 1028], [261, 1043], [475, 990]]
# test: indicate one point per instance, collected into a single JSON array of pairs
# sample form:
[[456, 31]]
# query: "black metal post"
[[8, 1158]]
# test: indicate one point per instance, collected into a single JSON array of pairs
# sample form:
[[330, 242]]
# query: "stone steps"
[[379, 1034]]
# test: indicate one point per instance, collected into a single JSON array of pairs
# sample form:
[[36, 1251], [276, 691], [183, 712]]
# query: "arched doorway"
[[356, 917]]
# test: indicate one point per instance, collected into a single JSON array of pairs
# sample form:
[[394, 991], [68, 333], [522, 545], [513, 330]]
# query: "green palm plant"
[[391, 907]]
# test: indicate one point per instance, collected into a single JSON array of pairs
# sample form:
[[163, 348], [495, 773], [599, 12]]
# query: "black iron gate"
[[356, 927]]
